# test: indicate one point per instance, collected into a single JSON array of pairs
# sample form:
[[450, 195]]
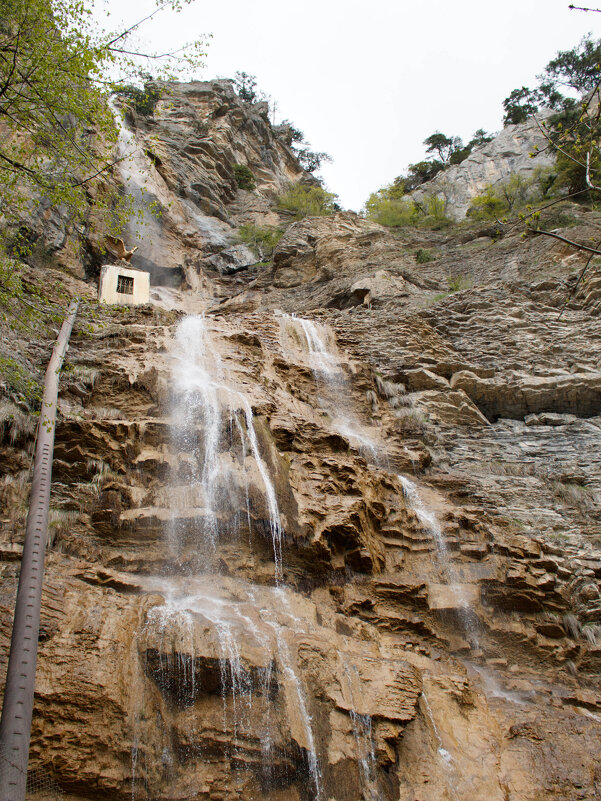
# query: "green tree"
[[422, 171], [56, 71], [576, 69], [288, 133], [311, 160], [57, 132], [246, 87], [480, 137], [520, 104], [443, 145]]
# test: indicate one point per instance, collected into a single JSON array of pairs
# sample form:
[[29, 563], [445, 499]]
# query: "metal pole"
[[17, 709]]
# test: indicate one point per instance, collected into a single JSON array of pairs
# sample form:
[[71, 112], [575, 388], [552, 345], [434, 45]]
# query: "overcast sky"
[[367, 82]]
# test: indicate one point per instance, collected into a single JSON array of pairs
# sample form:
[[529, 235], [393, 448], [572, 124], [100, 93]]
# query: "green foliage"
[[480, 137], [311, 160], [576, 69], [262, 240], [245, 86], [520, 104], [433, 212], [421, 172], [458, 282], [508, 196], [443, 145], [244, 177], [487, 206], [460, 155], [386, 208], [575, 135], [20, 383], [423, 256], [56, 69], [143, 100], [307, 201], [48, 101], [288, 133]]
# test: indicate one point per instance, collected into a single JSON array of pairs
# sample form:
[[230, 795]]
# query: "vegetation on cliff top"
[[310, 160], [573, 135]]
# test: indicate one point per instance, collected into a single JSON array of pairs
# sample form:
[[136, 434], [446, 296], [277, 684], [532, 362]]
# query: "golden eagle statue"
[[117, 248]]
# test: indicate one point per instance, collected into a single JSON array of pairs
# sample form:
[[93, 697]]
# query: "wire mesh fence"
[[40, 786]]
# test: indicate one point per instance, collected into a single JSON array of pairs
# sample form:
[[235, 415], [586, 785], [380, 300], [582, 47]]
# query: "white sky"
[[368, 81]]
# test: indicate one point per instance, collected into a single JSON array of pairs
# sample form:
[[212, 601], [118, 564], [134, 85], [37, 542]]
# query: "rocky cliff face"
[[339, 537], [508, 153]]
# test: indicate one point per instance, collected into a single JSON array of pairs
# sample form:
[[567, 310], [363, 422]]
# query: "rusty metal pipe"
[[17, 708]]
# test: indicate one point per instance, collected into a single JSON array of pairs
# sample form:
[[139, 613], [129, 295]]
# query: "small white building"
[[123, 285]]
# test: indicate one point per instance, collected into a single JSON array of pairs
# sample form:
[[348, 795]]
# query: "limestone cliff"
[[339, 536], [509, 153]]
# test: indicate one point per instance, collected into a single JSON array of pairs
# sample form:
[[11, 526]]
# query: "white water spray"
[[205, 406]]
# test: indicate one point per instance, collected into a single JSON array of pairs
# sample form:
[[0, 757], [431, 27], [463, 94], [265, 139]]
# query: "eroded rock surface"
[[431, 628]]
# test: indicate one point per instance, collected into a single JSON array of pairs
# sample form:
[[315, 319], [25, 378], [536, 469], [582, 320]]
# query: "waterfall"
[[364, 742], [225, 635], [313, 342], [243, 618], [207, 408], [429, 521]]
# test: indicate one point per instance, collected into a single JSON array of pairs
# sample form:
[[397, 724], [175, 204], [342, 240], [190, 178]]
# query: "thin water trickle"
[[287, 666], [429, 521], [315, 344], [144, 228], [323, 362], [445, 757], [364, 742]]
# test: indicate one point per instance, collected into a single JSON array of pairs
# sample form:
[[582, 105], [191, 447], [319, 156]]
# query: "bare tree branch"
[[567, 241], [578, 282]]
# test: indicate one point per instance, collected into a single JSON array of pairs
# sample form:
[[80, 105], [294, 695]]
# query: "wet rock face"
[[349, 553], [365, 672]]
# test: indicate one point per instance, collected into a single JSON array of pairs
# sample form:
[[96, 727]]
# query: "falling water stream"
[[206, 408], [429, 521], [220, 469], [363, 735], [218, 459], [333, 387]]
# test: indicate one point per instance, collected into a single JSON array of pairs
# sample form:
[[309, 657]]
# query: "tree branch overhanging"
[[577, 245]]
